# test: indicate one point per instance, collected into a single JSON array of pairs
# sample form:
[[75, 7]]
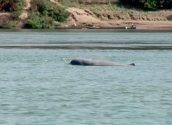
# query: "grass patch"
[[70, 3], [7, 24]]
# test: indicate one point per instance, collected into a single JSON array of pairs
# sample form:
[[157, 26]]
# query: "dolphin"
[[92, 62]]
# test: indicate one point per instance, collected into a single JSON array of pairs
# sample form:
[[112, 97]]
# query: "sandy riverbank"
[[84, 17], [144, 25], [148, 25]]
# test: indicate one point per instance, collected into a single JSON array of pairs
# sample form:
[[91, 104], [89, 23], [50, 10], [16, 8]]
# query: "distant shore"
[[134, 25], [82, 16], [109, 25], [119, 19]]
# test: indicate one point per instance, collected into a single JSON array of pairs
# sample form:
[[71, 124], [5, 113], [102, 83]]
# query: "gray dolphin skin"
[[91, 62]]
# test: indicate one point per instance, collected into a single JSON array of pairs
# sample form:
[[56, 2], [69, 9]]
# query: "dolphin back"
[[132, 64], [91, 62]]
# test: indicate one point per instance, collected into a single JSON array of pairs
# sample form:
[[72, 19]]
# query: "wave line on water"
[[166, 46]]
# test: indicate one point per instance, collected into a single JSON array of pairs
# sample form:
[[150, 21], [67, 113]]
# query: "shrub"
[[45, 8], [58, 14], [7, 24], [38, 22], [43, 14]]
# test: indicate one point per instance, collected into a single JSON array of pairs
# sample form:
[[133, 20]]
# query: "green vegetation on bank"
[[149, 4], [11, 5], [14, 7], [143, 4], [43, 14]]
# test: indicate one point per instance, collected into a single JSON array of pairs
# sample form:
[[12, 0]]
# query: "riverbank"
[[108, 17], [82, 16]]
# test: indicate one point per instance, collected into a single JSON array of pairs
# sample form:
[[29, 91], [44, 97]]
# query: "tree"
[[149, 4]]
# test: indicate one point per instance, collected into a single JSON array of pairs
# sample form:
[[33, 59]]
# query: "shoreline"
[[87, 30], [111, 25], [122, 25]]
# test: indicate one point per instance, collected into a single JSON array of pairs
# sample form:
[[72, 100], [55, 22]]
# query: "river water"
[[39, 87]]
